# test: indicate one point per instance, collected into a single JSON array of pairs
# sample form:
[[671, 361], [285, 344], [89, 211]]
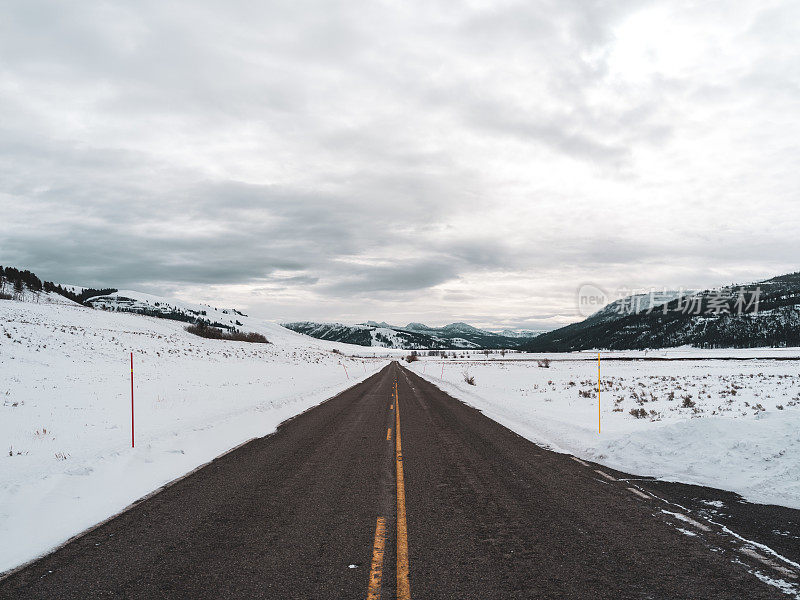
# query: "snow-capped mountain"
[[481, 338], [520, 333], [414, 336]]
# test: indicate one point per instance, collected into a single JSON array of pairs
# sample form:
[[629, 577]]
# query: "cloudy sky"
[[400, 160]]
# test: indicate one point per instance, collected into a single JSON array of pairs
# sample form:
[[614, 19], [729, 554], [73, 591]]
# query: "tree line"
[[14, 282]]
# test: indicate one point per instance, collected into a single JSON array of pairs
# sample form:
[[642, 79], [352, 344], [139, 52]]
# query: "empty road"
[[395, 490]]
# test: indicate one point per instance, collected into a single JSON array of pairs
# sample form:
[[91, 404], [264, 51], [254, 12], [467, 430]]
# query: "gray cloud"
[[434, 161], [403, 276]]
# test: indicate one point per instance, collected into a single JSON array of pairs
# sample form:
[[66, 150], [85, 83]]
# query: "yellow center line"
[[374, 590], [403, 585], [388, 434]]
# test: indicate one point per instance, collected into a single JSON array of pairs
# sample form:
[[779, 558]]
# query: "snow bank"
[[729, 424], [65, 409]]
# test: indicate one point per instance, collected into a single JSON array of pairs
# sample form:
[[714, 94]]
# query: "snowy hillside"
[[44, 298], [761, 314], [156, 306], [65, 407], [636, 303]]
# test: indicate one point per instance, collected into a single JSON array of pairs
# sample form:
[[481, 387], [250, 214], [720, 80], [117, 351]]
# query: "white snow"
[[742, 434], [65, 408], [44, 298]]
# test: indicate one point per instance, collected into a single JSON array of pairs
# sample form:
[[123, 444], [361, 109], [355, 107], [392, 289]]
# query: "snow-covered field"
[[677, 353], [721, 418], [729, 424], [66, 459]]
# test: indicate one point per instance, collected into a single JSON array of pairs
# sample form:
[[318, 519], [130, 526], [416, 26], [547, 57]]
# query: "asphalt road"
[[332, 506]]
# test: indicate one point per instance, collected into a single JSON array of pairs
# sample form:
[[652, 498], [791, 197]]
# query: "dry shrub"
[[215, 333], [470, 379]]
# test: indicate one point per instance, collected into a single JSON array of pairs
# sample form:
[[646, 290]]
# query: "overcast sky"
[[400, 160]]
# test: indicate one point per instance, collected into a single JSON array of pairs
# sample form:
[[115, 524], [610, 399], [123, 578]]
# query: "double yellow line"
[[403, 586], [374, 590], [376, 570]]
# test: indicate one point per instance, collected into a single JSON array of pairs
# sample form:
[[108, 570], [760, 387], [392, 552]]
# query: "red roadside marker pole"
[[131, 399]]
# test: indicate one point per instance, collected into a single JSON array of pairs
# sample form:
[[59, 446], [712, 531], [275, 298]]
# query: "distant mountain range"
[[765, 313], [520, 333], [414, 336]]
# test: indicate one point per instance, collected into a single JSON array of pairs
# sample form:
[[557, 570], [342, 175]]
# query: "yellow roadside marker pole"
[[598, 392]]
